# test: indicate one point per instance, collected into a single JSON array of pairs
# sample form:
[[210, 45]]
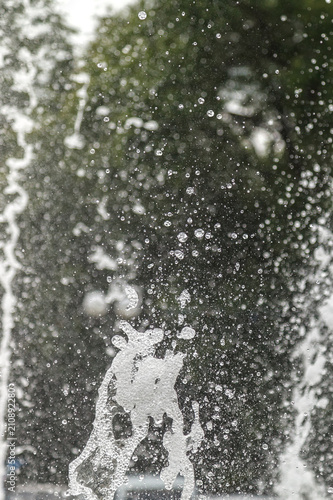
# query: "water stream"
[[141, 387], [21, 124], [297, 481]]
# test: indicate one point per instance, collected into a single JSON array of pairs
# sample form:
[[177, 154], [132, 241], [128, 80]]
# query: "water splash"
[[139, 386], [297, 482], [22, 125]]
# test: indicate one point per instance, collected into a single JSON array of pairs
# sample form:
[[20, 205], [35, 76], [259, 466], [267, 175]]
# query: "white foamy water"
[[297, 481], [9, 265], [142, 387]]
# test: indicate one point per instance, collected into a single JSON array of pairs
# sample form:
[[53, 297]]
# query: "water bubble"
[[179, 254], [182, 237], [142, 15], [190, 190], [186, 333], [210, 113], [229, 393], [158, 152], [184, 298], [199, 233], [201, 100], [94, 303], [209, 425], [265, 446]]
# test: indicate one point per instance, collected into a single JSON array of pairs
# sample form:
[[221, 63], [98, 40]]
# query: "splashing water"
[[298, 482], [142, 387], [22, 125]]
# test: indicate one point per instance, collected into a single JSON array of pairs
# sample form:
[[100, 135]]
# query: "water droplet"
[[142, 15], [179, 254], [94, 304], [229, 393], [201, 100], [182, 237], [210, 113], [187, 333], [265, 446], [199, 233]]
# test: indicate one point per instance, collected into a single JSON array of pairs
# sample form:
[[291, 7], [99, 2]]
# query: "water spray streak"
[[297, 482], [9, 265], [76, 140]]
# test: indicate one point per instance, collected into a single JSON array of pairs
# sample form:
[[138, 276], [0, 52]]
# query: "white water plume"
[[21, 124], [140, 387], [297, 482]]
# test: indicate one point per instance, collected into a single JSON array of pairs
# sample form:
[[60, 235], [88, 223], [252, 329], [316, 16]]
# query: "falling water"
[[139, 386], [22, 125], [297, 482], [76, 140]]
